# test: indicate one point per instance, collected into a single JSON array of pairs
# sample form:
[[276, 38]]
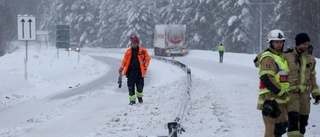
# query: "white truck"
[[170, 40]]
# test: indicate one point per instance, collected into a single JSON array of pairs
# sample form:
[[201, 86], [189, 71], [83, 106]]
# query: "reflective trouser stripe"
[[294, 134], [139, 94], [132, 98]]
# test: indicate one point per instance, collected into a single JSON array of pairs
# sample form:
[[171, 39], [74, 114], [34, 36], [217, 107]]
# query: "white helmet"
[[275, 35]]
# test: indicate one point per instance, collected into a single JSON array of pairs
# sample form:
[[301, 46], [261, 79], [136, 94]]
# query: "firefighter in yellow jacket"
[[303, 82], [134, 66], [273, 76]]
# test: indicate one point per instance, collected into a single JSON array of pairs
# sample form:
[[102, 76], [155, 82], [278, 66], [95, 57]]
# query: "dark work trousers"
[[135, 80], [134, 74], [221, 56]]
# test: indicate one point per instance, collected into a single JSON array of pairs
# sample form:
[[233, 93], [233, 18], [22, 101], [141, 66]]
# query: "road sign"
[[62, 36], [42, 35], [63, 44], [26, 27]]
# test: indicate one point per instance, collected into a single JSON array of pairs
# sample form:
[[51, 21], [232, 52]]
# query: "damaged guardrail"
[[175, 126]]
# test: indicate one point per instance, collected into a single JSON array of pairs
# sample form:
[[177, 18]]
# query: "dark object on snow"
[[117, 120]]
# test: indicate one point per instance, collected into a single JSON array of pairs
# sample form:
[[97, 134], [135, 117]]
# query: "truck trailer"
[[170, 40]]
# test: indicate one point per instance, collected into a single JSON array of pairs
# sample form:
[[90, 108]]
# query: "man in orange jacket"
[[134, 66]]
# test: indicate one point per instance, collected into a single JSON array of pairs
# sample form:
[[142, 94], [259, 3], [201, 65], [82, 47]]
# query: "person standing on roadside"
[[134, 66], [302, 79], [273, 73], [221, 51]]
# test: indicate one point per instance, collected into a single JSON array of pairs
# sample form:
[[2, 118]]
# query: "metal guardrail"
[[175, 127]]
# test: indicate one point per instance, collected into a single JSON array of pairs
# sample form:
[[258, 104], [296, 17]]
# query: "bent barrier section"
[[175, 127]]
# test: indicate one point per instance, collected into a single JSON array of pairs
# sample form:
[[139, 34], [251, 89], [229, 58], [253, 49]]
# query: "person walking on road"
[[221, 50], [273, 73], [302, 79], [134, 66]]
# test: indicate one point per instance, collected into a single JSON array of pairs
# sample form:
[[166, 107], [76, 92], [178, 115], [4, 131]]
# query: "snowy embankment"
[[45, 72]]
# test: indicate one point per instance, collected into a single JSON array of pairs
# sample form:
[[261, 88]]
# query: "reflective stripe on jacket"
[[143, 58], [279, 77]]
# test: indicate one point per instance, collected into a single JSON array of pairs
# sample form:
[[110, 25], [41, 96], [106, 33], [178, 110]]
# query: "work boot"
[[132, 102], [140, 100]]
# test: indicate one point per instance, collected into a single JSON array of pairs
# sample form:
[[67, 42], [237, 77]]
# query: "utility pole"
[[260, 44], [260, 29]]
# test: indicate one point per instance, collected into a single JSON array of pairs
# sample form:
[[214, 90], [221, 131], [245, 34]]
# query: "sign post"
[[26, 32]]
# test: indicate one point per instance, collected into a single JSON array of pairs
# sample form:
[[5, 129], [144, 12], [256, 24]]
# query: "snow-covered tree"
[[234, 24], [2, 28], [140, 21], [110, 23]]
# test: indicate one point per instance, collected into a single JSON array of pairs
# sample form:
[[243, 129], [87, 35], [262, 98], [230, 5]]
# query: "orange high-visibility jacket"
[[143, 58]]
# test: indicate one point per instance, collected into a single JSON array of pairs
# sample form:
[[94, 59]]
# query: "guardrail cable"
[[175, 127]]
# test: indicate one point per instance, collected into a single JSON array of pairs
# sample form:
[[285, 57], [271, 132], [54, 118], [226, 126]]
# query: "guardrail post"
[[173, 128]]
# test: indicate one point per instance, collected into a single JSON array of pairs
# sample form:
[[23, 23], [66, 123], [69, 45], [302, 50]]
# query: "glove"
[[271, 109], [120, 73], [317, 100], [120, 79]]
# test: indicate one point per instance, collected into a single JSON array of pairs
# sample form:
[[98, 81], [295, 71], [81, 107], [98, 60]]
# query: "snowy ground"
[[76, 95]]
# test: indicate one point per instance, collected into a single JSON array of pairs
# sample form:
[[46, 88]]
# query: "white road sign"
[[26, 28]]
